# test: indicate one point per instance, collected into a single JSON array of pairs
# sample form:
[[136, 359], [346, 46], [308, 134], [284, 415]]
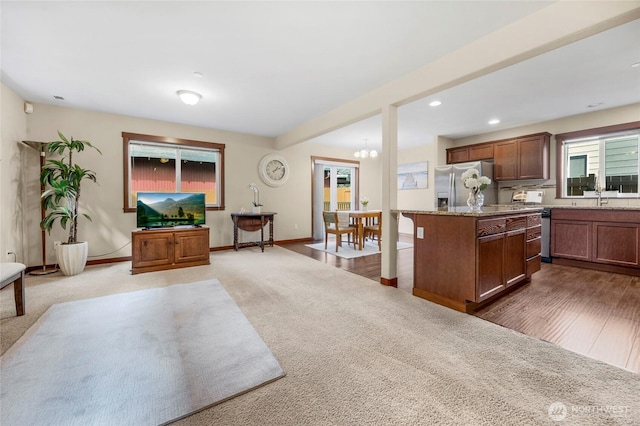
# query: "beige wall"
[[13, 156], [109, 233]]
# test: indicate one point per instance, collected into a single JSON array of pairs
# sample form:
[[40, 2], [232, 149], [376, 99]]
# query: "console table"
[[251, 222]]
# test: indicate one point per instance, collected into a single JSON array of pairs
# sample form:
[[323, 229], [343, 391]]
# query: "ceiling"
[[268, 67]]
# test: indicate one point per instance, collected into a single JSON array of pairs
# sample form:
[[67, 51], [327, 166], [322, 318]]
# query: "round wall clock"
[[274, 169]]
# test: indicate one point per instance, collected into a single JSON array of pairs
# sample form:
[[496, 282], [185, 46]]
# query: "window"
[[159, 164], [599, 159]]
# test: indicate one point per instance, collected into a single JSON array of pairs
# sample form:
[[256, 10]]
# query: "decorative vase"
[[364, 207], [475, 201], [72, 258], [255, 209]]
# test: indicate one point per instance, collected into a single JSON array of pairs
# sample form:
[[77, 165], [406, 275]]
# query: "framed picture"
[[413, 175]]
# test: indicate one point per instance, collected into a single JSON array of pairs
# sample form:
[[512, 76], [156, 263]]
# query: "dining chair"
[[373, 229], [332, 225]]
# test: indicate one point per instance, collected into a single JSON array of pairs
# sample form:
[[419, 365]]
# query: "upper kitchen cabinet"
[[476, 152], [524, 157]]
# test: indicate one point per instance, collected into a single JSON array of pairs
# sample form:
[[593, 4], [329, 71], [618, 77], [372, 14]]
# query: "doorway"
[[335, 187]]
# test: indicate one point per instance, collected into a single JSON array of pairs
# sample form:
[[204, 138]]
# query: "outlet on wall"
[[56, 244]]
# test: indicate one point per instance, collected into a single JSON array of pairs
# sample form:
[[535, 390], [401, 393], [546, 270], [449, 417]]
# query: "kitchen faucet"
[[600, 201]]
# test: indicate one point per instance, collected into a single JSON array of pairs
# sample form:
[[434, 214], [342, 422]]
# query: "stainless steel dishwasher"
[[545, 250]]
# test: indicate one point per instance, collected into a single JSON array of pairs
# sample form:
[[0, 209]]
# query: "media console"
[[169, 248]]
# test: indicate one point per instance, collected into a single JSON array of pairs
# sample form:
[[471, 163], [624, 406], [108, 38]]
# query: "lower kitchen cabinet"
[[599, 238]]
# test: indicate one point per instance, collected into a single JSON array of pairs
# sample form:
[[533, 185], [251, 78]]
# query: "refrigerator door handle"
[[452, 189]]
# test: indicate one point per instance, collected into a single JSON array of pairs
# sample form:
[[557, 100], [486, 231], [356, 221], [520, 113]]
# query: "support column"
[[389, 275]]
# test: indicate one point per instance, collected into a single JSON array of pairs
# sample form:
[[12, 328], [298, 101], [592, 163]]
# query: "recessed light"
[[494, 121], [58, 97], [435, 103], [637, 64], [197, 74]]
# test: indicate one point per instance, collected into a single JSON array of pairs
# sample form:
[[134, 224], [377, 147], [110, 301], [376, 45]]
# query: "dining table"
[[358, 217]]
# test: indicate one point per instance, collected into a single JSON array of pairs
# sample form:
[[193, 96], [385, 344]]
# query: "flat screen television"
[[167, 209]]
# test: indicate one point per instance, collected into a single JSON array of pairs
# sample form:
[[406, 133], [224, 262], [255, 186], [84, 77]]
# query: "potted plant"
[[61, 179]]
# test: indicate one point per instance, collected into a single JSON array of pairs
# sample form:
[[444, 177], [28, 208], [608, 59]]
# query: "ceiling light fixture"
[[636, 65], [435, 103], [494, 121], [189, 97], [364, 153]]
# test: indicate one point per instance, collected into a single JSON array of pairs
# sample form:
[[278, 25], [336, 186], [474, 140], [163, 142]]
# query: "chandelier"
[[365, 152]]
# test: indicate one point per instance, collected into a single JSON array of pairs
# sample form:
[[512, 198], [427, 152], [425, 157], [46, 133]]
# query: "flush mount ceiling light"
[[435, 103], [494, 121], [189, 97], [364, 153]]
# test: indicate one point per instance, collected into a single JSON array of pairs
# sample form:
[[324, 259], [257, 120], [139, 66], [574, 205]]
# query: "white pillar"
[[389, 275]]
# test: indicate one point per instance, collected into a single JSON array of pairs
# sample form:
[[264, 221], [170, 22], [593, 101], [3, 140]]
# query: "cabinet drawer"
[[534, 232], [534, 220], [533, 247], [491, 226], [517, 222], [533, 265]]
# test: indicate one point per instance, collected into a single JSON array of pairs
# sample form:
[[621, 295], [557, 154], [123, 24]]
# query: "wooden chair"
[[373, 228], [332, 225]]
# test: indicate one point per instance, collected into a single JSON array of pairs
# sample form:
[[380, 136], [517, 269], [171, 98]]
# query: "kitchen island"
[[464, 259]]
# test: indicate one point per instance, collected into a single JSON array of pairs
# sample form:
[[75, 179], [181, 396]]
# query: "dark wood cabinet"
[[605, 239], [464, 260], [491, 274], [458, 155], [571, 239], [157, 250], [616, 243], [505, 161], [525, 157], [476, 152]]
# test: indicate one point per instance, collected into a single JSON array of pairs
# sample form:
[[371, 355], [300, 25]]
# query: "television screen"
[[164, 209]]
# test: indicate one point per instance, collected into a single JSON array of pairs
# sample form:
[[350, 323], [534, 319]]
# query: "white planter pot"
[[255, 209], [72, 258]]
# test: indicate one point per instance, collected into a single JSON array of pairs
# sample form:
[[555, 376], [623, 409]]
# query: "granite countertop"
[[486, 211], [605, 207]]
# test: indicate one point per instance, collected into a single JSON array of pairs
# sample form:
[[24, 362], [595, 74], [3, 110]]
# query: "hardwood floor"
[[593, 313]]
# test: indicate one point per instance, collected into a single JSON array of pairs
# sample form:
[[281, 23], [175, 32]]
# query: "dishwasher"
[[545, 250]]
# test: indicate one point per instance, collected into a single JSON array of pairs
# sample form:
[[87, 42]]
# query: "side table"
[[251, 222]]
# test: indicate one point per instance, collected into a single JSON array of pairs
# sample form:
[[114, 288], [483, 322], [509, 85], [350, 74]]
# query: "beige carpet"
[[359, 353], [143, 357]]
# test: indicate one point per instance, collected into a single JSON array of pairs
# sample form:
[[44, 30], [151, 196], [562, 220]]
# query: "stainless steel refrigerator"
[[450, 191]]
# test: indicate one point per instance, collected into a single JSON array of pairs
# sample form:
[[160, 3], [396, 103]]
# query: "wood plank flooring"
[[596, 314]]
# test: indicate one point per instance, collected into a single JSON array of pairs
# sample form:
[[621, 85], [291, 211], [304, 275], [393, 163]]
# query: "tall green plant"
[[61, 180]]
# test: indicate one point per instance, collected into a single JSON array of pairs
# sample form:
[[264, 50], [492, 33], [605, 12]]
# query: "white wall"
[[109, 233]]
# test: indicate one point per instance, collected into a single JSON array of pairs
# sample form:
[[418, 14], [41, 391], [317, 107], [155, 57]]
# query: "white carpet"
[[140, 358], [348, 252]]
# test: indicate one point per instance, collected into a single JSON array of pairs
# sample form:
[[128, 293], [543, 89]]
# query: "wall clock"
[[274, 169]]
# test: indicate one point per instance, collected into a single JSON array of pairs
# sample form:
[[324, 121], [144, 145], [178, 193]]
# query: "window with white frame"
[[600, 161], [159, 164]]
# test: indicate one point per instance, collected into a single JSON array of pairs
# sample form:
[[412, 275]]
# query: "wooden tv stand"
[[169, 248]]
